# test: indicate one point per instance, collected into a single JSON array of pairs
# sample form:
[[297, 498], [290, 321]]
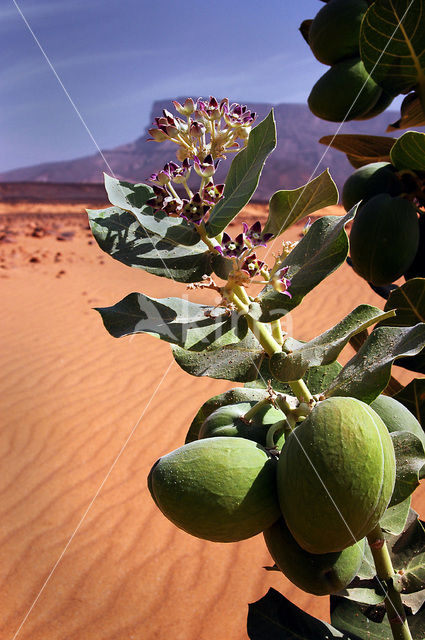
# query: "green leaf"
[[274, 617], [238, 362], [351, 616], [413, 397], [320, 252], [155, 249], [409, 302], [364, 591], [326, 347], [367, 374], [287, 207], [409, 151], [361, 149], [411, 114], [243, 176], [233, 396], [410, 458], [394, 519], [392, 44], [133, 197], [127, 196], [414, 576], [317, 379], [187, 324]]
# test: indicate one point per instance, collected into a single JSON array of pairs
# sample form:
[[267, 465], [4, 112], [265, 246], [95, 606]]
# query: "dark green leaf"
[[155, 249], [322, 250], [326, 347], [187, 324], [274, 617], [233, 396], [394, 519], [411, 114], [413, 397], [392, 44], [243, 176], [317, 379], [409, 151], [238, 362], [368, 622], [409, 302], [410, 458], [367, 374], [361, 149], [287, 207]]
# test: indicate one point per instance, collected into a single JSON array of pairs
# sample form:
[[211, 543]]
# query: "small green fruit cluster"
[[384, 239], [315, 503], [345, 91]]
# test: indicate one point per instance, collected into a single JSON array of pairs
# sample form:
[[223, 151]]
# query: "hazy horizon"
[[116, 58]]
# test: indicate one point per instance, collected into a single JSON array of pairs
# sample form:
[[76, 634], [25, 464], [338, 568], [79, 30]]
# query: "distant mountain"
[[297, 156]]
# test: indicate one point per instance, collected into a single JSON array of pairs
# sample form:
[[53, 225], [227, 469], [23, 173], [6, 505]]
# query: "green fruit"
[[336, 475], [368, 181], [334, 32], [397, 417], [383, 103], [228, 421], [232, 396], [220, 489], [384, 239], [319, 574], [344, 92]]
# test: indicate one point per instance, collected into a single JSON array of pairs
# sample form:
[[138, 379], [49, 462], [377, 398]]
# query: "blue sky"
[[115, 57]]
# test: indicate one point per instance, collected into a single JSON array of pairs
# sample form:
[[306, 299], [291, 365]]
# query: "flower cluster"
[[195, 207], [241, 249], [209, 128]]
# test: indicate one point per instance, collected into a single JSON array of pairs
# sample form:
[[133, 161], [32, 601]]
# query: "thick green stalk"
[[259, 405], [385, 572], [267, 341]]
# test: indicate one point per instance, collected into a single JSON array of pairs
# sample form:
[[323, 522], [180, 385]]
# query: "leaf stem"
[[277, 331], [259, 405], [267, 341], [385, 572]]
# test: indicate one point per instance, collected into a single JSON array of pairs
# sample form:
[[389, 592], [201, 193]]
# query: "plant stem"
[[277, 331], [259, 405], [385, 572], [267, 341], [301, 390]]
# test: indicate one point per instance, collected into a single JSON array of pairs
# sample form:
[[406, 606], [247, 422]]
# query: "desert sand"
[[84, 417]]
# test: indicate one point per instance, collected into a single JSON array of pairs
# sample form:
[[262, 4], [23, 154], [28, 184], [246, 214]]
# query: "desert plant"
[[306, 451]]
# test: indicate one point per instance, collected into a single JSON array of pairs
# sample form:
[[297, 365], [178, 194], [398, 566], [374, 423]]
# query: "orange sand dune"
[[84, 416]]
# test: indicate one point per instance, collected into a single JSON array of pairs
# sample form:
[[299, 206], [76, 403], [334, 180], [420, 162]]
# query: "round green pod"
[[336, 475], [397, 417], [334, 32], [369, 181], [219, 489], [384, 239], [383, 103], [229, 421], [344, 92], [320, 574]]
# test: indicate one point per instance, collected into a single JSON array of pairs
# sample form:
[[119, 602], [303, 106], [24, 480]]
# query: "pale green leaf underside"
[[175, 320]]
